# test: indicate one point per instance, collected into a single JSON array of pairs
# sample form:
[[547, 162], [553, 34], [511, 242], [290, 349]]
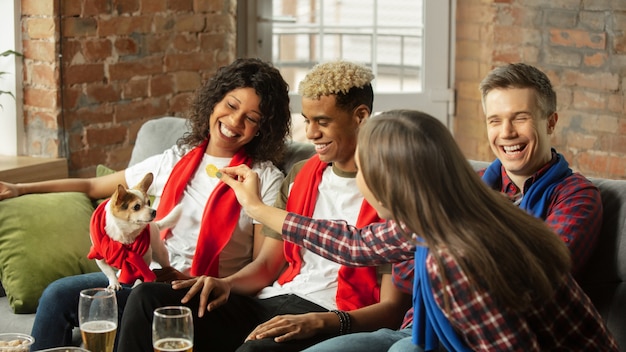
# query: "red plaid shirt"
[[574, 213], [402, 277], [568, 322]]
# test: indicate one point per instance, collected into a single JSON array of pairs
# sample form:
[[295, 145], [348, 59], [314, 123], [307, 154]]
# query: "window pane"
[[383, 34]]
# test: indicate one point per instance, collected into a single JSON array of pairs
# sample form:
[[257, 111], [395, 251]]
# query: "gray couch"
[[603, 278]]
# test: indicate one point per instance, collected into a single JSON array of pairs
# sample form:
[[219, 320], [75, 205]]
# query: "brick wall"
[[582, 48], [126, 61], [95, 70]]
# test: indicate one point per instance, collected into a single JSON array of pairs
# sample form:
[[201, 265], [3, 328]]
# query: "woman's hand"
[[289, 327], [213, 292], [244, 182], [8, 190]]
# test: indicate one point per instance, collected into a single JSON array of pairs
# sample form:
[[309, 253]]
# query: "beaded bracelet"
[[345, 323]]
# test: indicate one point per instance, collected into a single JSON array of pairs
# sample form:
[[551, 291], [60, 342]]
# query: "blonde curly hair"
[[334, 78]]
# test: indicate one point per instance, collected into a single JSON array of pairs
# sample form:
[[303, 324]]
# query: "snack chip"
[[211, 170]]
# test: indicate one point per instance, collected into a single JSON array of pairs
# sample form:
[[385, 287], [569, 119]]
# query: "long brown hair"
[[414, 167]]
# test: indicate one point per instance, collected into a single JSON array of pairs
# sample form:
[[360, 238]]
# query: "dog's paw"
[[114, 286]]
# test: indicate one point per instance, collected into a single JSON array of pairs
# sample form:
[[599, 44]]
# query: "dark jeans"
[[223, 329], [57, 313]]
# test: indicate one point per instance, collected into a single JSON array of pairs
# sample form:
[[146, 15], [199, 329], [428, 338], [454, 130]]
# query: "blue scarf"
[[536, 199], [430, 326]]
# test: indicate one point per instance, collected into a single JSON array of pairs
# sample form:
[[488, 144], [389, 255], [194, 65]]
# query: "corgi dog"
[[126, 238]]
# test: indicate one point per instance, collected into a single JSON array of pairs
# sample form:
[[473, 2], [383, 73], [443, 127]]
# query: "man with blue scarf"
[[520, 109]]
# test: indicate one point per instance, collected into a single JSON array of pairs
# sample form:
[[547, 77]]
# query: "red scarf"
[[356, 287], [220, 215], [128, 258]]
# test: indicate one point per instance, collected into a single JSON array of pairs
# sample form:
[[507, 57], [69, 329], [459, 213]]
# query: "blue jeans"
[[57, 313], [379, 340], [405, 345]]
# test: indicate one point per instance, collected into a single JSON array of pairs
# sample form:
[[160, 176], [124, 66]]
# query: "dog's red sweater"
[[128, 258]]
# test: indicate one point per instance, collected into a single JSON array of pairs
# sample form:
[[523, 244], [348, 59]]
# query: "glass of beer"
[[97, 317], [172, 329]]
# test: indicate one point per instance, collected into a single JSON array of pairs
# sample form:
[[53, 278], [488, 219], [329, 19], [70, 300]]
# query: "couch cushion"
[[20, 323], [41, 242]]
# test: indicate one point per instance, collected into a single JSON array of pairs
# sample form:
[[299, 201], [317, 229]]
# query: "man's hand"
[[288, 327], [213, 292], [168, 274]]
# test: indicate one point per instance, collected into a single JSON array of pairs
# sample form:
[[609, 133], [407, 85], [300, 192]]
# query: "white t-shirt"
[[338, 198], [182, 244]]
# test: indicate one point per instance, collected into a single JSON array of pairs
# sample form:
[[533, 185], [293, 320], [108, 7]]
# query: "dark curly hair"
[[268, 83]]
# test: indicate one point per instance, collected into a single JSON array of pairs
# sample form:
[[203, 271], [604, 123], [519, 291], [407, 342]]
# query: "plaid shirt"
[[402, 277], [574, 213], [568, 322]]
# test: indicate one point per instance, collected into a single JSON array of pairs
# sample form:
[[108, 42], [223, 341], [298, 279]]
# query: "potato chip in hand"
[[211, 170]]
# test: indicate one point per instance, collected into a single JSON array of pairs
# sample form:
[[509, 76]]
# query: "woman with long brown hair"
[[488, 276]]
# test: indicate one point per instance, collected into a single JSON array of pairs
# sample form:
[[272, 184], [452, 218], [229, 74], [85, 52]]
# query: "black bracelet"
[[345, 323]]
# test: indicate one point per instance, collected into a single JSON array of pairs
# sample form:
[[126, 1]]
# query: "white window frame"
[[436, 96]]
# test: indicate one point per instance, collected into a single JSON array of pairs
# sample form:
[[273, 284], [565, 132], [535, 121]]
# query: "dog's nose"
[[153, 213]]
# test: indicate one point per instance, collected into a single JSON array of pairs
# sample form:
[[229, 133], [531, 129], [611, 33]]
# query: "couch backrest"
[[608, 262], [603, 277], [157, 135]]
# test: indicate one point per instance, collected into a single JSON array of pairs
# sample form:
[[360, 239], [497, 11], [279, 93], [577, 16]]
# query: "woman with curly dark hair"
[[239, 116], [273, 106]]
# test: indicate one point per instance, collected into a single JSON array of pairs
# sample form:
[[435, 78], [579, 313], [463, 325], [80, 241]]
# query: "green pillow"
[[102, 170], [43, 237]]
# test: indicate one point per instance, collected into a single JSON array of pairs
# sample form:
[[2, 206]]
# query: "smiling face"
[[333, 130], [234, 122], [519, 134]]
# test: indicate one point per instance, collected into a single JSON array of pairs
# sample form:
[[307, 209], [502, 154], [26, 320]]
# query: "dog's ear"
[[145, 183], [118, 197]]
